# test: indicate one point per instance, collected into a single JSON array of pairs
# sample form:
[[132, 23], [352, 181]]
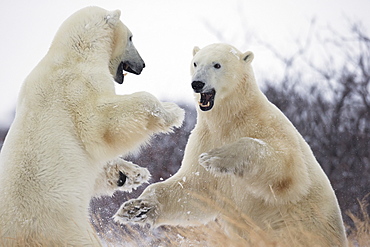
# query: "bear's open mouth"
[[124, 66], [207, 100]]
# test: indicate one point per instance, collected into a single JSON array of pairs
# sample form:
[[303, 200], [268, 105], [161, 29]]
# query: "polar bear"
[[69, 130], [245, 165]]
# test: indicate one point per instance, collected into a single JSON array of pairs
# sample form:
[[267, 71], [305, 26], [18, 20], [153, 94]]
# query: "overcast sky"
[[165, 33]]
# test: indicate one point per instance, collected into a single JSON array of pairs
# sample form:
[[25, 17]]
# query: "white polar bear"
[[69, 123], [259, 172]]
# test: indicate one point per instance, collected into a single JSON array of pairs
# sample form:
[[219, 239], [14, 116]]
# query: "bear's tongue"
[[205, 99]]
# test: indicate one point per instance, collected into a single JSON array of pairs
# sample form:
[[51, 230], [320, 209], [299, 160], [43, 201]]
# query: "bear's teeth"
[[208, 104]]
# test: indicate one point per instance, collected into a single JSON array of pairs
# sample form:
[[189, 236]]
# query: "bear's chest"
[[210, 138]]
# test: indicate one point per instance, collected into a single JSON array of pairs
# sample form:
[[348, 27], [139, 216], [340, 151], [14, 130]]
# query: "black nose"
[[197, 86], [143, 65]]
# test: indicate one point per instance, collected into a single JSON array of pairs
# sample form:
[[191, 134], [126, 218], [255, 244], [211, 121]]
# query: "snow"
[[181, 185], [259, 141], [235, 53]]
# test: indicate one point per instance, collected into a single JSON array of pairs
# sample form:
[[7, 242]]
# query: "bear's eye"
[[130, 38], [195, 64], [217, 66]]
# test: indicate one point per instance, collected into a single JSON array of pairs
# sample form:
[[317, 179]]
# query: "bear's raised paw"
[[167, 116], [174, 115], [218, 164], [125, 175]]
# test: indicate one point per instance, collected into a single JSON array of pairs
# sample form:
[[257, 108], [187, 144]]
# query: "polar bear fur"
[[69, 129], [245, 165]]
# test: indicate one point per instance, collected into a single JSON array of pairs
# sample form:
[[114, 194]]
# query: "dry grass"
[[213, 235], [208, 235], [359, 233]]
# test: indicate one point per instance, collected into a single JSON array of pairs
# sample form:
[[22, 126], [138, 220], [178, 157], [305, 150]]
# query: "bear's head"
[[93, 34], [124, 55], [216, 72]]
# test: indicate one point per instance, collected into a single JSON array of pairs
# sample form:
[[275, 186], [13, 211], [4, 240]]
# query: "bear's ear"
[[112, 17], [247, 56], [195, 50]]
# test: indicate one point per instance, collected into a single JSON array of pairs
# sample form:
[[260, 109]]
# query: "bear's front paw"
[[166, 116], [173, 114], [218, 163], [135, 211], [125, 175]]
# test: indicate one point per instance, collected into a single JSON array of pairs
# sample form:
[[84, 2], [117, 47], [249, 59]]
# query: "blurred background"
[[312, 59]]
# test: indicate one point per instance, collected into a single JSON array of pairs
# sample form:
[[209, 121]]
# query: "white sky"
[[165, 33]]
